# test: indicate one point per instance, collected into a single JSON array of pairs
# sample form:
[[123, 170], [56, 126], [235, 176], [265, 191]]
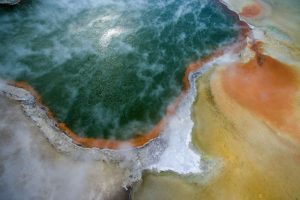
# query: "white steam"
[[30, 168]]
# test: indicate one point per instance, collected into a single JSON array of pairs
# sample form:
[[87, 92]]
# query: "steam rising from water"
[[109, 68], [30, 168]]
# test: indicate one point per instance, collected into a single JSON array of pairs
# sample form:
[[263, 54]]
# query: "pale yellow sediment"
[[256, 137], [260, 162], [246, 113]]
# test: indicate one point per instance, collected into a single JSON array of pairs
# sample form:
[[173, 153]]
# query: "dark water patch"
[[109, 69]]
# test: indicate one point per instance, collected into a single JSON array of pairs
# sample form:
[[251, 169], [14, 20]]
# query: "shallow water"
[[109, 69]]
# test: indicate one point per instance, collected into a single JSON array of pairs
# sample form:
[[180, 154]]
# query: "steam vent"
[[150, 100]]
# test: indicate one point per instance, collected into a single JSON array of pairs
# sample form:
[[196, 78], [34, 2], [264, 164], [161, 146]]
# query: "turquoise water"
[[109, 69]]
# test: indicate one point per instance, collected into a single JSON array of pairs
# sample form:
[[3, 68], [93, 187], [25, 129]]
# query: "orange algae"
[[106, 143], [103, 143], [255, 163], [267, 87], [134, 142], [252, 10], [196, 65]]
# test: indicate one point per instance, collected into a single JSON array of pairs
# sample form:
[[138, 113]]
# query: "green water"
[[109, 69]]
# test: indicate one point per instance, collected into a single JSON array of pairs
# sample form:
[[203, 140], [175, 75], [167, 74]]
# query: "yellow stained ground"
[[249, 121], [259, 161]]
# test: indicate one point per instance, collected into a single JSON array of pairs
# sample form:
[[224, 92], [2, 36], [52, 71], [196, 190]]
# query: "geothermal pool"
[[112, 71], [109, 69]]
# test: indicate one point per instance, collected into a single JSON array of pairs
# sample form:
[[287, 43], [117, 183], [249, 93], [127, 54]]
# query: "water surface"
[[109, 69]]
